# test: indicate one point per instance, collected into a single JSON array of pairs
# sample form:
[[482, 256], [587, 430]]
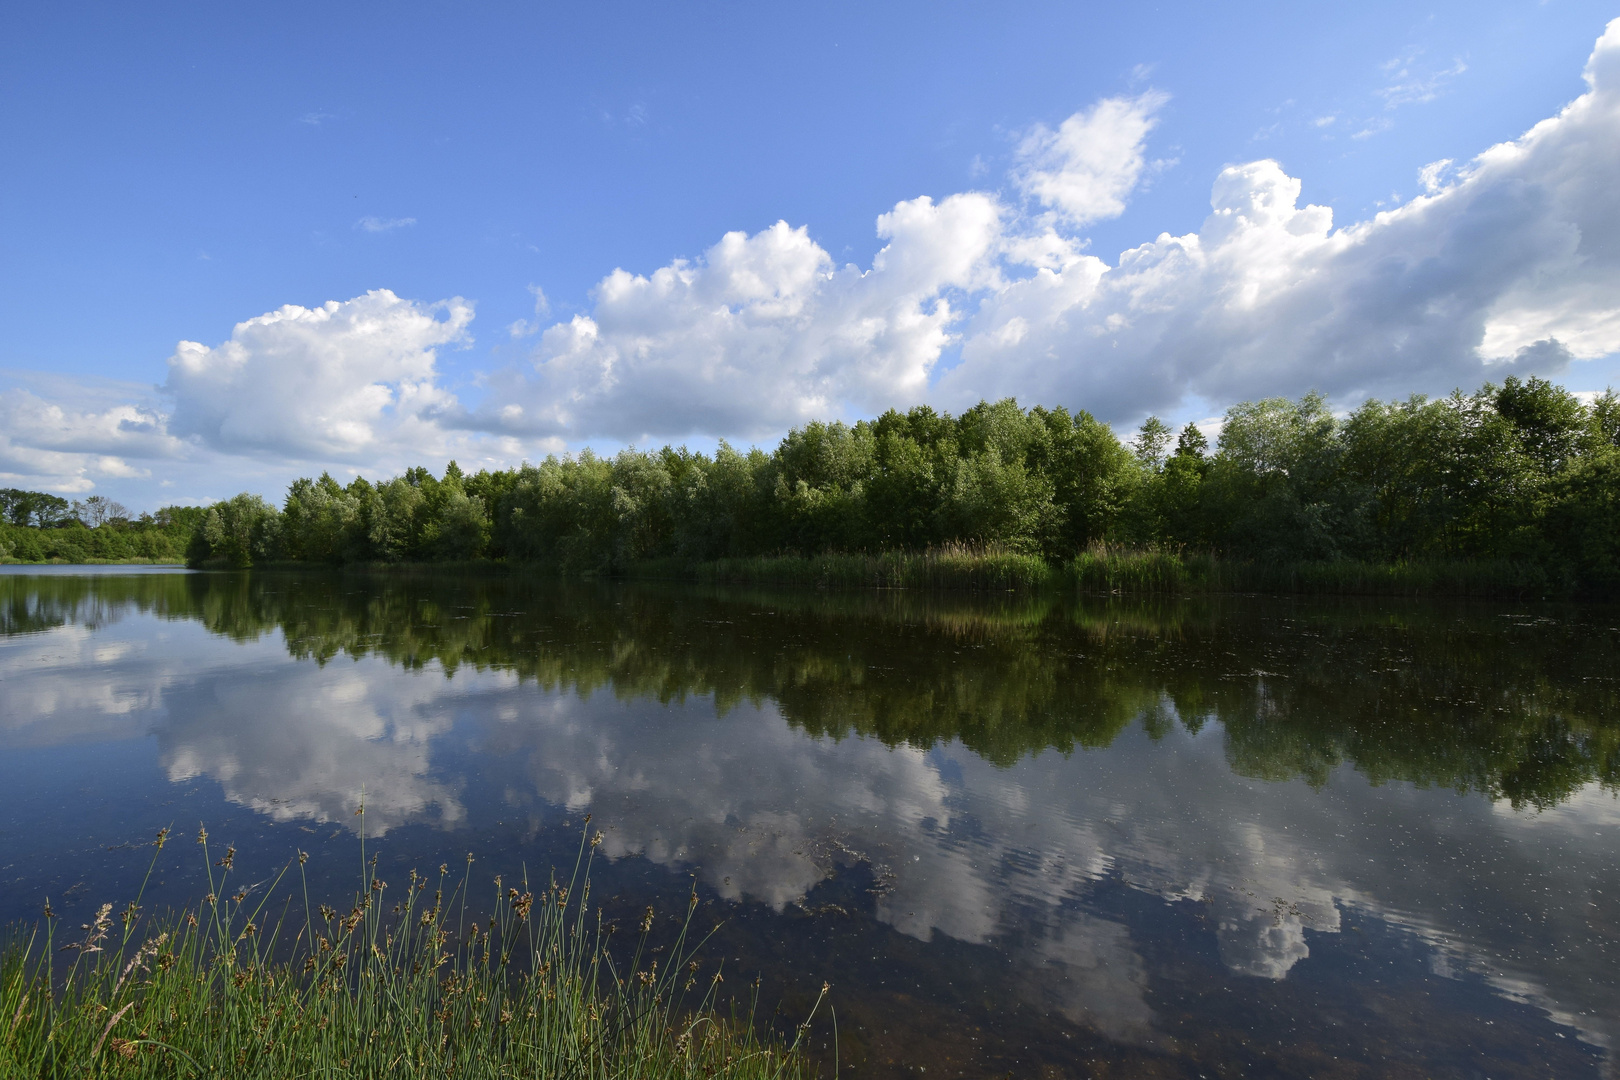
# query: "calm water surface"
[[1233, 837]]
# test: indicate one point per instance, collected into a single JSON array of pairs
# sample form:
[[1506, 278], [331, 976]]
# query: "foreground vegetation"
[[405, 984], [1522, 479]]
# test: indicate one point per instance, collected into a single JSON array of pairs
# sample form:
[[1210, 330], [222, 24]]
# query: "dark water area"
[[1233, 836]]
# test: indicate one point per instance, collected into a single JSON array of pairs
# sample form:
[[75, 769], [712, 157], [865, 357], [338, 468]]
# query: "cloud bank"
[[1509, 262]]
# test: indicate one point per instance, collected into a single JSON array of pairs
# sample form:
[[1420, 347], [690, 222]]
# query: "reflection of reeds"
[[1158, 570], [1116, 569], [399, 986]]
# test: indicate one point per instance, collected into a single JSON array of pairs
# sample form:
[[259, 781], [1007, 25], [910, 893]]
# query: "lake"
[[1031, 836]]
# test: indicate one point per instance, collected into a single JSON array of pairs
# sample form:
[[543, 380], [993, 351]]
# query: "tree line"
[[1524, 471], [36, 526]]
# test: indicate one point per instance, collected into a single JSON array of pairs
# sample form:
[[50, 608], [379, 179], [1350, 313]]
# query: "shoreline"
[[9, 561], [1134, 573], [1101, 570]]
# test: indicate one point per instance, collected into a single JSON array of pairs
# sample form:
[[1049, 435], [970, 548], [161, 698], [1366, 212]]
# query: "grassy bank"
[[407, 983], [1122, 570]]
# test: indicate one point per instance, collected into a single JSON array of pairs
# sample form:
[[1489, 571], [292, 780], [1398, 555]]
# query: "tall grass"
[[1101, 568], [954, 566], [407, 983], [1119, 569]]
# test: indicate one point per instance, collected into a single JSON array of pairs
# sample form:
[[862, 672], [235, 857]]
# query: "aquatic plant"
[[408, 982]]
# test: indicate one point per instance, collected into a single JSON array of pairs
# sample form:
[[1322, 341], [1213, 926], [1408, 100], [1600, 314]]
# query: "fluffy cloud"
[[1508, 262], [765, 331], [1516, 262], [1085, 170], [762, 332], [352, 383], [1511, 263], [341, 382]]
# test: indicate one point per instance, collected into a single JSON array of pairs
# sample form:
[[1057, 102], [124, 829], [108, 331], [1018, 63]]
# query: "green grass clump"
[[1103, 568], [407, 983]]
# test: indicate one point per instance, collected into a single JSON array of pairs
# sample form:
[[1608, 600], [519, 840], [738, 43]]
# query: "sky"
[[240, 245]]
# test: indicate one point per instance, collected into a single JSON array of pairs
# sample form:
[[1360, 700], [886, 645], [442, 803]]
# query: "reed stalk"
[[407, 983]]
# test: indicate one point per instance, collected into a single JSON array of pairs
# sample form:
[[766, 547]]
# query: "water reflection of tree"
[[1513, 704], [32, 603]]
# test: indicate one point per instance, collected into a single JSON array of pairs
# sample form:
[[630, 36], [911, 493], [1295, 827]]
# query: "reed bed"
[[954, 566], [1114, 569], [1119, 569], [1100, 568], [407, 983]]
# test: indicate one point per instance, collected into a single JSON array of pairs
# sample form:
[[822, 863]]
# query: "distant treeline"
[[36, 526], [1523, 472]]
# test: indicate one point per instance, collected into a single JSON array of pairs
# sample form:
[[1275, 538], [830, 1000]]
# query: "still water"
[[1040, 837]]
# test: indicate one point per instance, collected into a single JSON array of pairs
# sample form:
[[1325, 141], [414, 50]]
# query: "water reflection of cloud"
[[1089, 970], [738, 796], [292, 741], [303, 743], [959, 847], [761, 812], [75, 684]]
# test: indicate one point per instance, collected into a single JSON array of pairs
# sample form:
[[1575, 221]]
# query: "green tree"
[[1093, 478], [238, 533]]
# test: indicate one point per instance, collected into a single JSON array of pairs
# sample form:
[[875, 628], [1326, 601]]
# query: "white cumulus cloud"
[[759, 333], [1515, 263], [343, 381], [1086, 169], [1507, 262]]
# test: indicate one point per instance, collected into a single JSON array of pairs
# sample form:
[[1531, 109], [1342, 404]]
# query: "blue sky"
[[175, 171]]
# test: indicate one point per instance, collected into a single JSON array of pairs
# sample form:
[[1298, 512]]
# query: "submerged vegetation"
[[1512, 488], [407, 983]]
